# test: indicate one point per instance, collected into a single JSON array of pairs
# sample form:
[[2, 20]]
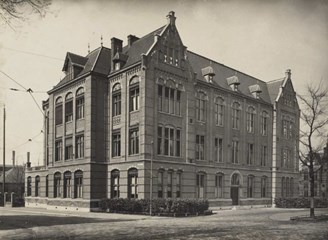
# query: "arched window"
[[133, 183], [201, 107], [235, 180], [200, 185], [78, 184], [29, 186], [69, 107], [264, 182], [264, 123], [80, 103], [250, 186], [219, 111], [283, 187], [37, 186], [250, 119], [116, 100], [67, 184], [57, 182], [134, 94], [59, 111], [235, 115], [115, 184], [47, 186], [160, 183], [219, 180]]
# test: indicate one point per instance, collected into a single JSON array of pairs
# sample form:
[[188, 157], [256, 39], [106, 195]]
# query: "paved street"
[[264, 223]]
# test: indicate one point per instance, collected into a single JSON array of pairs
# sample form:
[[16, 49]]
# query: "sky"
[[260, 38]]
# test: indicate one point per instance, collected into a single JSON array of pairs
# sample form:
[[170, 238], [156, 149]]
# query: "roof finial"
[[101, 40], [88, 47]]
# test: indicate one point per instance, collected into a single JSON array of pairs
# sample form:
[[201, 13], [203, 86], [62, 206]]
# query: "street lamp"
[[151, 178]]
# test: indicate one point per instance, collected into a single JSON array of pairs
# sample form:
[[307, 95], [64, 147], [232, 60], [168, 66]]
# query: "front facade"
[[207, 130]]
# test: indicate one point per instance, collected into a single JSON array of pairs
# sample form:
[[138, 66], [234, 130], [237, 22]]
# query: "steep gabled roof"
[[75, 59], [223, 72], [140, 46], [14, 175], [274, 88]]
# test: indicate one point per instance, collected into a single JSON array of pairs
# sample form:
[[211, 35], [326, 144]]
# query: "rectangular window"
[[134, 99], [79, 146], [250, 187], [116, 151], [134, 141], [160, 97], [178, 186], [178, 143], [69, 111], [264, 125], [67, 186], [250, 122], [218, 114], [78, 184], [159, 140], [178, 103], [58, 150], [284, 128], [264, 155], [169, 184], [234, 154], [200, 146], [171, 142], [250, 153], [166, 99], [171, 107], [160, 184], [218, 149], [68, 148], [200, 185], [80, 108], [219, 186], [117, 104], [200, 110], [59, 114], [166, 141], [263, 187], [235, 118]]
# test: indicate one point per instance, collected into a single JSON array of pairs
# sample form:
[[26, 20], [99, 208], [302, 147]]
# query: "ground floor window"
[[200, 185], [37, 186], [133, 183], [160, 187], [115, 184], [47, 186], [29, 186], [169, 184], [57, 180], [78, 184], [250, 186], [219, 186], [67, 184], [178, 184], [264, 187]]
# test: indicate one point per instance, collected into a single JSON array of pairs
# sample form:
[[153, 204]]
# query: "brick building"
[[211, 131]]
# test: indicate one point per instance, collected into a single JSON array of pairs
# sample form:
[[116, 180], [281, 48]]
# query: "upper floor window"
[[69, 107], [234, 151], [116, 151], [68, 148], [264, 155], [218, 149], [58, 150], [171, 55], [287, 128], [286, 158], [219, 111], [264, 123], [235, 115], [200, 147], [80, 103], [59, 111], [79, 146], [116, 100], [250, 153], [169, 99], [201, 107], [250, 119], [134, 94], [134, 141], [171, 139]]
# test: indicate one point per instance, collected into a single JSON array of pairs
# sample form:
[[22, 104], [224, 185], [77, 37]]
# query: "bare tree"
[[22, 9], [314, 113]]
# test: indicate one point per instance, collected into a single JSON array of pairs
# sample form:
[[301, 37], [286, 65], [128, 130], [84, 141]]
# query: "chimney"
[[28, 164], [288, 73], [171, 18], [13, 158], [132, 39], [116, 45]]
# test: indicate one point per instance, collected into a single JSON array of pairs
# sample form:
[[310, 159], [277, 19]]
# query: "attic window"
[[117, 66], [233, 82], [208, 73], [255, 90], [171, 56]]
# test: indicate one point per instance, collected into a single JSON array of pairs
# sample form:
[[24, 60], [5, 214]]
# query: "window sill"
[[170, 114]]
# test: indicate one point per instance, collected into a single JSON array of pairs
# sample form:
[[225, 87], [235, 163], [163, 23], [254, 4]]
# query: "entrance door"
[[234, 195]]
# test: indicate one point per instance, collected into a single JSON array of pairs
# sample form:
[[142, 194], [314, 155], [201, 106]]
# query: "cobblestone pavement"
[[264, 223]]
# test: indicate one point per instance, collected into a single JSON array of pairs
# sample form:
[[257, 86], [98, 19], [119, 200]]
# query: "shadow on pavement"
[[28, 221]]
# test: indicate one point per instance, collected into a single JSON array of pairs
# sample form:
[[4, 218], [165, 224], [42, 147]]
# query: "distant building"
[[14, 181], [320, 177], [212, 131]]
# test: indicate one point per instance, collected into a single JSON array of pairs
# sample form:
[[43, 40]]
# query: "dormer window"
[[117, 66], [255, 90], [208, 74], [233, 82]]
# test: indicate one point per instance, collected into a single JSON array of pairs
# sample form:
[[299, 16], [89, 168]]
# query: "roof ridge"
[[275, 80], [148, 34], [213, 61]]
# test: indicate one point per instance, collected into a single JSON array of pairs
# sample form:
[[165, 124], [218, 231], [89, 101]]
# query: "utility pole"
[[4, 153]]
